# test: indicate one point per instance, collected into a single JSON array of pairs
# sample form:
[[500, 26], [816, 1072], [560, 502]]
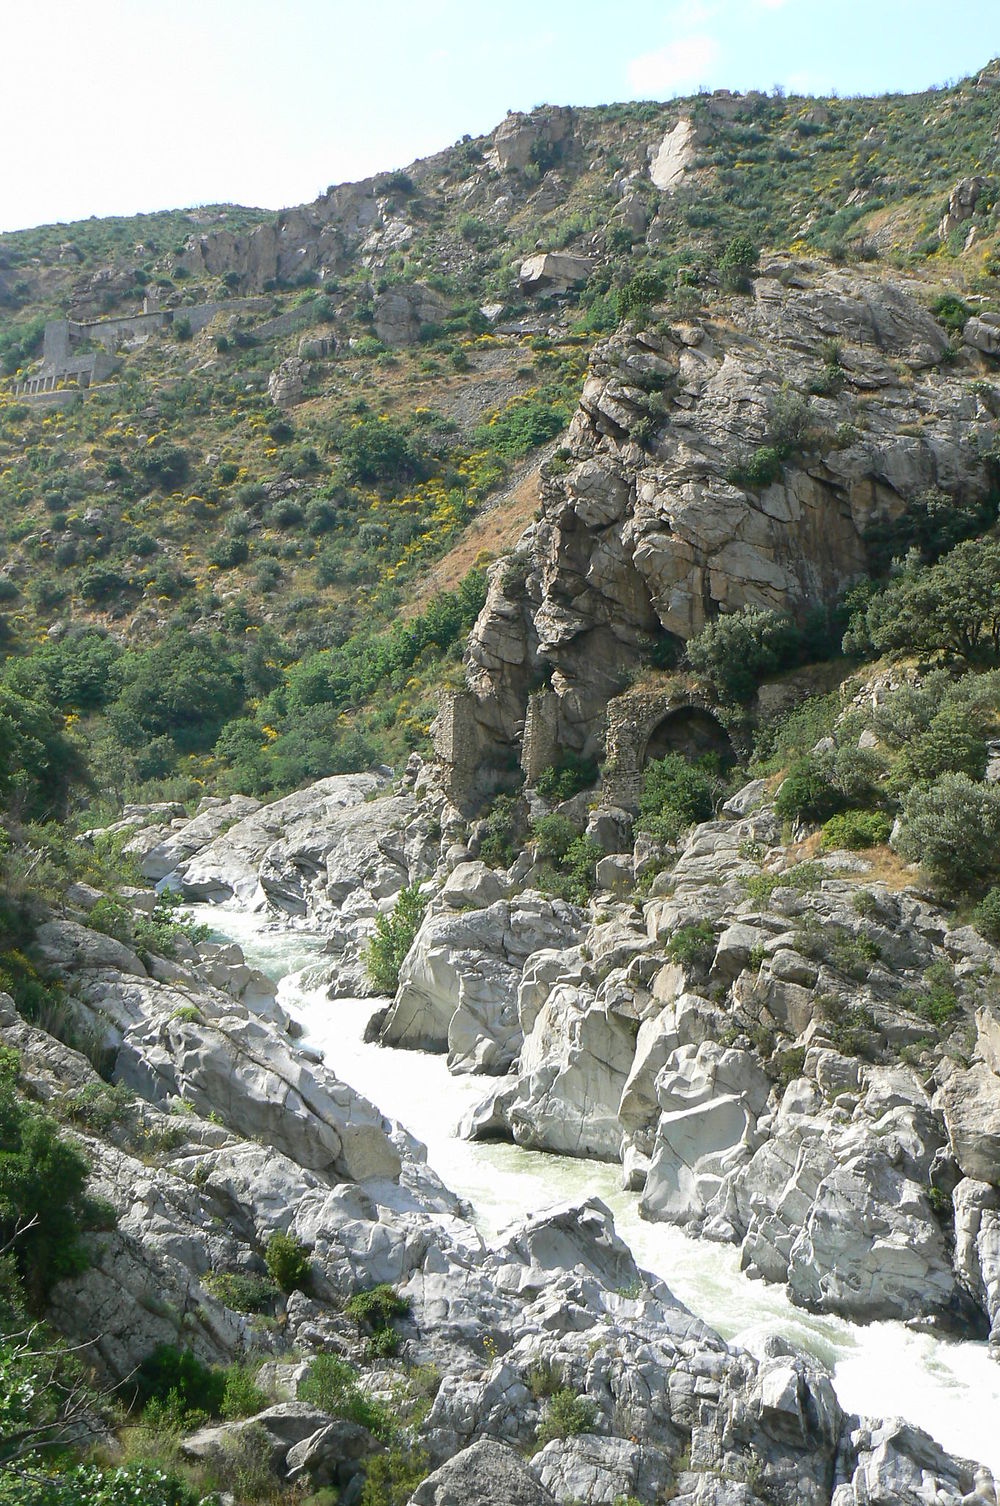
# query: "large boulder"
[[483, 1474], [458, 986]]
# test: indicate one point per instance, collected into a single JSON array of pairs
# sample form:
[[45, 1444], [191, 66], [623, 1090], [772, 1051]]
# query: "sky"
[[123, 106]]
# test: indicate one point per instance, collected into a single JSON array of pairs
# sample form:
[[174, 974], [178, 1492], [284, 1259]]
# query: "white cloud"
[[681, 64]]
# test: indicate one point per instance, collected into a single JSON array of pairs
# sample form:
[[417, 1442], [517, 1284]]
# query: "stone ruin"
[[640, 726], [69, 360]]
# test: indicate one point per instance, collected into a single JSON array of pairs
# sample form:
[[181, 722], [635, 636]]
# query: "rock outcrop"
[[658, 523]]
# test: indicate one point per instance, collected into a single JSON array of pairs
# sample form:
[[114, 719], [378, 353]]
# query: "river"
[[951, 1389]]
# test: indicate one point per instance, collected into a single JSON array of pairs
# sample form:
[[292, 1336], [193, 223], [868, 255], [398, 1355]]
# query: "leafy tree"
[[39, 762], [633, 298], [43, 1206], [737, 262], [951, 828], [931, 523], [952, 608], [739, 649], [392, 938], [184, 687]]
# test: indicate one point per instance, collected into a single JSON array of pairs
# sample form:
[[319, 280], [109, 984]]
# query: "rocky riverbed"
[[611, 1043]]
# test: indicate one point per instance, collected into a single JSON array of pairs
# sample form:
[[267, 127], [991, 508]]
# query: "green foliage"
[[43, 1206], [287, 1262], [381, 451], [737, 262], [952, 608], [675, 794], [951, 743], [90, 1485], [498, 845], [391, 1478], [99, 1106], [760, 468], [931, 523], [183, 688], [806, 794], [564, 1416], [795, 733], [634, 298], [392, 938], [692, 945], [949, 310], [567, 860], [986, 916], [242, 1397], [177, 1378], [332, 1385], [241, 1291], [739, 649], [373, 1310], [567, 778], [854, 829], [951, 828], [39, 763], [523, 425]]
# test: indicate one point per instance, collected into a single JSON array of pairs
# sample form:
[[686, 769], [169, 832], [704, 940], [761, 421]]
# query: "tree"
[[952, 829], [736, 651], [737, 262], [38, 761], [952, 608], [42, 1202]]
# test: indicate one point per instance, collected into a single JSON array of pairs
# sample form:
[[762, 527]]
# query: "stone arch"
[[642, 725], [693, 731]]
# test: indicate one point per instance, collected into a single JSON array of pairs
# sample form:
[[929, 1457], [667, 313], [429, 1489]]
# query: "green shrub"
[[568, 861], [692, 945], [806, 794], [855, 829], [178, 1378], [567, 778], [986, 916], [675, 794], [949, 310], [760, 468], [737, 263], [287, 1262], [521, 426], [565, 1415], [242, 1396], [242, 1292], [634, 298], [43, 1206], [392, 938], [89, 1485], [498, 845], [952, 828], [952, 743], [739, 649], [100, 1105], [373, 1310], [391, 1478], [332, 1385]]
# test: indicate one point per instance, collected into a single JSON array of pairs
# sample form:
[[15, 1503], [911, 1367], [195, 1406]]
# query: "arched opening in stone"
[[692, 732]]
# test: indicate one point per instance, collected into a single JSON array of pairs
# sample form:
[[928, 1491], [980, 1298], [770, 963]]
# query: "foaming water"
[[950, 1389]]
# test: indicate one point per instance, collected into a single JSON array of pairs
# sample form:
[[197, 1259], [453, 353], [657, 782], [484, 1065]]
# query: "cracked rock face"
[[644, 535]]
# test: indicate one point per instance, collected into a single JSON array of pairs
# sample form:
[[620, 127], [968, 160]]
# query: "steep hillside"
[[412, 367], [553, 592]]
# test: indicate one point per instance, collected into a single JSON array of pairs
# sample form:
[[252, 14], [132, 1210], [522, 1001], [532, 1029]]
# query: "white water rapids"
[[950, 1389]]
